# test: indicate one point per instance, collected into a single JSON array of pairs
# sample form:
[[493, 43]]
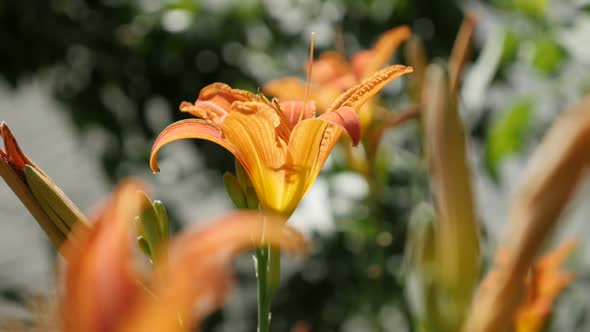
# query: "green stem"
[[274, 272], [267, 271]]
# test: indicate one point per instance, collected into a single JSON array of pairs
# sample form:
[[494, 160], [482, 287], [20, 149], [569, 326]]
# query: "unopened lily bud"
[[234, 190], [144, 246], [51, 208], [53, 201], [457, 228], [162, 218], [152, 227]]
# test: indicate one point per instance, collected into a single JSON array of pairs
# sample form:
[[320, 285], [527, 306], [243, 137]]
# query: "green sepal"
[[144, 246], [235, 190], [152, 227], [162, 219], [53, 201]]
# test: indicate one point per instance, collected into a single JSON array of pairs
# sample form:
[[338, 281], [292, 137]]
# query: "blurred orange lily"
[[543, 284], [332, 73], [281, 146], [103, 292]]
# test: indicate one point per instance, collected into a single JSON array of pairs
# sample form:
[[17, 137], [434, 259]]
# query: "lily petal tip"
[[154, 164], [4, 130]]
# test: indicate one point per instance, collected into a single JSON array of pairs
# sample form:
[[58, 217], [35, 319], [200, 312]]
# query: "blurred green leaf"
[[531, 7], [527, 7], [506, 134], [188, 5], [248, 10], [548, 55], [509, 47]]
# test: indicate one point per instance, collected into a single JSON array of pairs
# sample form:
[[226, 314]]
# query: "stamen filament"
[[310, 63]]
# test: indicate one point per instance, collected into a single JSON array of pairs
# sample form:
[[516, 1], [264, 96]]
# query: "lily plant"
[[102, 288], [281, 147]]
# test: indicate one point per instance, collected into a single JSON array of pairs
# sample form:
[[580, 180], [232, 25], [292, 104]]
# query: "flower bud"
[[51, 208], [152, 228]]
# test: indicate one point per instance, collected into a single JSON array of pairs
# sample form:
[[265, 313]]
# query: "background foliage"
[[124, 66]]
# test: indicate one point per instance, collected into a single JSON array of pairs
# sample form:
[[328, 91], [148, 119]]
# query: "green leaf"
[[235, 191], [506, 134], [509, 47], [527, 7], [548, 55]]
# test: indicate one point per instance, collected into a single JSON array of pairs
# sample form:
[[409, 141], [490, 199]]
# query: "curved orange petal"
[[347, 119], [381, 53], [221, 91], [209, 110], [356, 96], [191, 128], [215, 100], [199, 269], [310, 145], [100, 286], [250, 128]]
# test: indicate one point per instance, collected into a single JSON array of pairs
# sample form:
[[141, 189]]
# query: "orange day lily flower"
[[103, 291], [543, 284], [281, 145], [332, 73]]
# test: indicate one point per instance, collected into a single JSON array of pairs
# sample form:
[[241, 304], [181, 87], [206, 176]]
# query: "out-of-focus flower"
[[543, 284], [281, 146], [332, 74], [103, 291], [551, 179], [52, 209]]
